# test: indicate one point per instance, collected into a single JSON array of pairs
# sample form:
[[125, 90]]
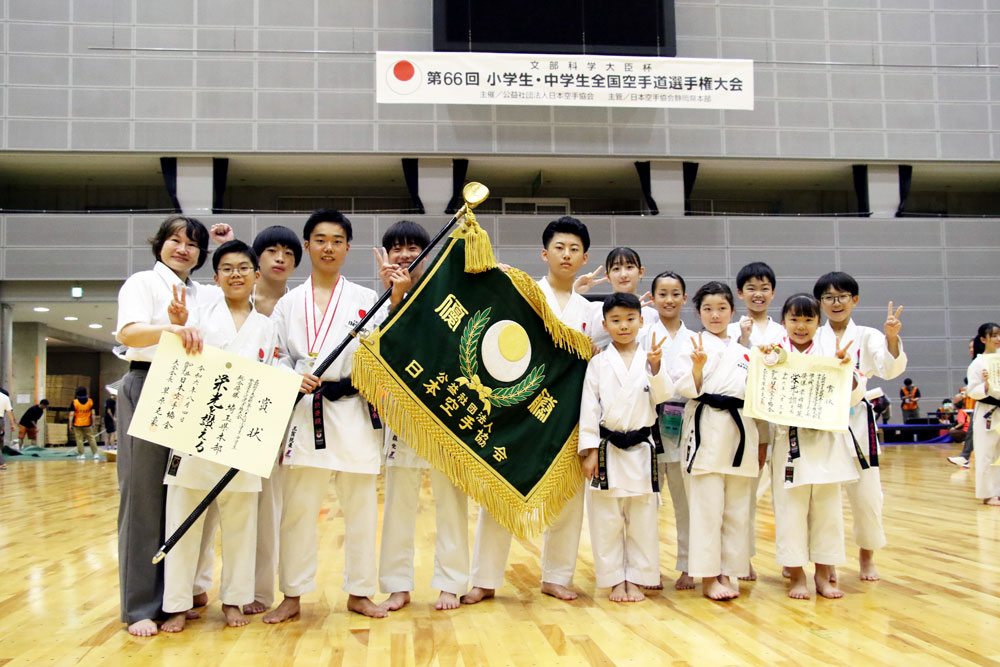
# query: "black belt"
[[139, 365], [623, 440], [334, 391], [989, 400], [793, 452], [720, 402]]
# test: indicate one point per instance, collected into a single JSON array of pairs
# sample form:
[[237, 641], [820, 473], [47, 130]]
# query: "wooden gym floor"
[[938, 601]]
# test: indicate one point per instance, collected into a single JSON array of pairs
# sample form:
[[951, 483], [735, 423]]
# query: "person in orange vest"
[[910, 395], [83, 423]]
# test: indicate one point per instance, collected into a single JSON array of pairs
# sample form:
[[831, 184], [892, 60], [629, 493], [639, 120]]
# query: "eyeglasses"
[[831, 299], [242, 269]]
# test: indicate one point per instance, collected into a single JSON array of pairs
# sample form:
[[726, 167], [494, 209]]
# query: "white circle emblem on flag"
[[403, 77], [506, 350]]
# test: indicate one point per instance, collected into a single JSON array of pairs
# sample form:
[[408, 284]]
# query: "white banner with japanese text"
[[421, 77], [216, 405]]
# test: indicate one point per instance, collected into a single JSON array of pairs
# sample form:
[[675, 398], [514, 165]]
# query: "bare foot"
[[992, 501], [685, 582], [619, 593], [657, 587], [833, 574], [558, 591], [447, 601], [143, 628], [752, 576], [175, 623], [254, 607], [288, 608], [786, 572], [199, 600], [396, 601], [714, 589], [234, 617], [728, 583], [364, 606], [799, 590], [192, 615], [866, 565], [634, 593], [824, 586], [478, 594]]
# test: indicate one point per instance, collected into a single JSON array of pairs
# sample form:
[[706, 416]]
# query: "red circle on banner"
[[403, 70]]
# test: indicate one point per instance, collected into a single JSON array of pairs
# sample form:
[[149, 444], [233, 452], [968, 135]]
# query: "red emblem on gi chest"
[[747, 357], [362, 313], [260, 354]]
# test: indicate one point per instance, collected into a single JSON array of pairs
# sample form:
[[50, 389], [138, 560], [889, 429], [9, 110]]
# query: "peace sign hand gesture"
[[842, 352], [588, 280], [698, 354], [646, 300], [655, 353], [892, 323], [385, 269], [177, 310]]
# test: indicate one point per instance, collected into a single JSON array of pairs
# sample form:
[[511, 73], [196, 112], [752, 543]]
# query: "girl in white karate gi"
[[621, 389], [721, 445], [624, 271], [808, 466], [669, 296], [985, 439]]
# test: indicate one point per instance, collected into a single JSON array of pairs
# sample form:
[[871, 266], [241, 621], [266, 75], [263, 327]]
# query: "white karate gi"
[[870, 351], [718, 497], [808, 512], [623, 518], [403, 475], [671, 460], [353, 446], [985, 440], [595, 323], [188, 478]]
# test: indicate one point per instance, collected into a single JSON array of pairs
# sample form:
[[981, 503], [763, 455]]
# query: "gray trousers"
[[141, 511], [967, 449]]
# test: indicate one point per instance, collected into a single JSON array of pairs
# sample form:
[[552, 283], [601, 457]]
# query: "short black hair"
[[327, 215], [566, 225], [405, 232], [801, 305], [44, 401], [81, 392], [838, 280], [712, 288], [194, 229], [669, 274], [907, 381], [621, 300], [235, 246], [758, 270], [622, 255], [276, 235]]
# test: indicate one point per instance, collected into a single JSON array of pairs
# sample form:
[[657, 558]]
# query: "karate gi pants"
[[141, 466], [986, 447], [763, 473], [719, 512], [808, 524], [302, 492], [206, 552], [238, 519], [560, 546], [624, 536], [865, 496], [451, 538], [674, 474]]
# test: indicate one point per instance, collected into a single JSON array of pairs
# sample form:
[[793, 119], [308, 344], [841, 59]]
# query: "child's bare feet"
[[714, 589], [254, 607], [478, 594], [288, 608], [558, 591], [685, 582], [234, 617], [799, 590], [447, 601], [199, 600], [992, 501], [866, 565], [824, 586], [786, 572], [396, 600], [175, 623], [635, 593], [752, 576], [833, 574], [657, 587], [364, 606], [728, 583], [192, 615], [626, 591], [144, 628]]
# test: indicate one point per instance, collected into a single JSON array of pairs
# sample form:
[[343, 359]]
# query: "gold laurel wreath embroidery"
[[469, 365]]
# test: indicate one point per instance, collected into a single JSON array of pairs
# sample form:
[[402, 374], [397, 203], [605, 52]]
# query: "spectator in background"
[[83, 423], [28, 426], [883, 408], [910, 395], [110, 420], [5, 411]]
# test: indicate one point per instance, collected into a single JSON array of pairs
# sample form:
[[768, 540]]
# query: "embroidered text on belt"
[[331, 391], [623, 440], [720, 402], [989, 400]]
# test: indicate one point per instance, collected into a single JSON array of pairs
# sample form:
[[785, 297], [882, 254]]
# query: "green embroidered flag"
[[477, 374]]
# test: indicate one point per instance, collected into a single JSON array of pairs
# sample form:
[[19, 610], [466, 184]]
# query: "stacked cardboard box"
[[60, 390]]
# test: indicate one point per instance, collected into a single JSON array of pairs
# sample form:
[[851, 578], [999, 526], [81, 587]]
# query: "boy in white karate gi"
[[231, 324], [343, 440], [621, 390], [876, 355], [723, 449], [564, 248], [401, 244]]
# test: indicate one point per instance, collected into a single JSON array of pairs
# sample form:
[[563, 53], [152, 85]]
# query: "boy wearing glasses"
[[233, 325], [875, 354]]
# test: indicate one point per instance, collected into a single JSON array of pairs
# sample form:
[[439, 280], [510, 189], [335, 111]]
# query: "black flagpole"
[[474, 193]]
